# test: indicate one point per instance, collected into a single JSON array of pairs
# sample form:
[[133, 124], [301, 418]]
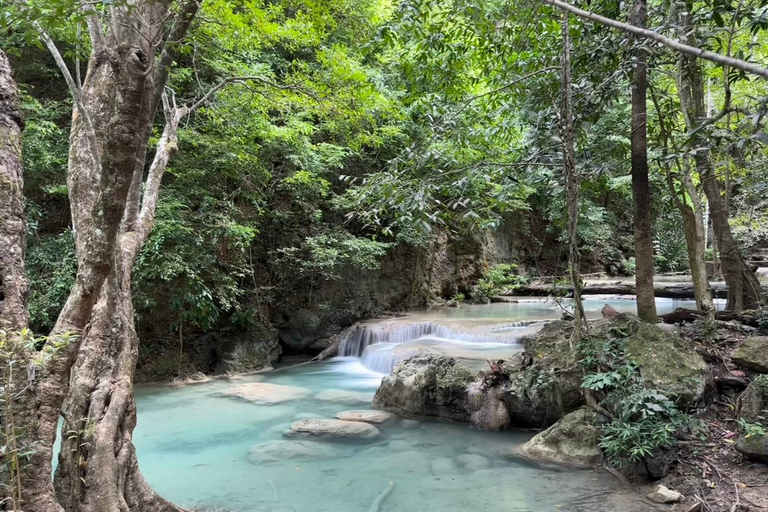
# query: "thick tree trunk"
[[110, 126], [571, 180], [97, 467], [646, 303], [744, 288], [14, 286]]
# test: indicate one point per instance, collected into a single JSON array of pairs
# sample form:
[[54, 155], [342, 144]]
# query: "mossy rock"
[[754, 400], [667, 362], [752, 354], [426, 385], [754, 447], [573, 441]]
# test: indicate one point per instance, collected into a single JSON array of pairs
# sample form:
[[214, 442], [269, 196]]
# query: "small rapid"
[[360, 336]]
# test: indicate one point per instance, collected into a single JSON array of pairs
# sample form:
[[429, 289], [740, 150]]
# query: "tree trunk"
[[571, 181], [14, 286], [98, 469], [111, 122], [646, 303], [744, 288], [693, 225]]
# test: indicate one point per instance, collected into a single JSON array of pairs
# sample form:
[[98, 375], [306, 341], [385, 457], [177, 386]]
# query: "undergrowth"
[[642, 420]]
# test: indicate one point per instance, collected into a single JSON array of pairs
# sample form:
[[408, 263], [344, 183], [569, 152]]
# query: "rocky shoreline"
[[542, 388]]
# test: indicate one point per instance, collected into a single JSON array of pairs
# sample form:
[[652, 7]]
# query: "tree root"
[[381, 497]]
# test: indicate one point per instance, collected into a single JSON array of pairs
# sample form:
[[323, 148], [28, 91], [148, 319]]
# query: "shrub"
[[498, 279], [643, 420]]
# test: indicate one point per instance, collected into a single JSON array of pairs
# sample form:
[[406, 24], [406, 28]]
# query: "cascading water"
[[360, 336], [380, 346]]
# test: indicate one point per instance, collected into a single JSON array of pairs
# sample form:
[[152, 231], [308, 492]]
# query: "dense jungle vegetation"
[[195, 170]]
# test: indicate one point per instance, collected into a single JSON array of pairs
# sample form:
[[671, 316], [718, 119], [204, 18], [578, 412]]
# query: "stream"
[[205, 450]]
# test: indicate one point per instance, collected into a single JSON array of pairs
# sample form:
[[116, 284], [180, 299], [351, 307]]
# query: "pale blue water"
[[193, 446]]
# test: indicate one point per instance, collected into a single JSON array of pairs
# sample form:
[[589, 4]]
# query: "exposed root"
[[381, 497]]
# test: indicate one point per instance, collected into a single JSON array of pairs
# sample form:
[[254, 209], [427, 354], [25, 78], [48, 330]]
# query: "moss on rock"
[[668, 363], [572, 440], [752, 354]]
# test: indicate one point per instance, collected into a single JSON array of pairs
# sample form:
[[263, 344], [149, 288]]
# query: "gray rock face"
[[365, 416], [752, 354], [426, 385], [487, 409], [572, 440], [332, 429]]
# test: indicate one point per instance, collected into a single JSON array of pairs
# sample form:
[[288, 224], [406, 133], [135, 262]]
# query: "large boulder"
[[332, 429], [752, 354], [572, 441], [666, 361], [753, 402], [547, 385], [754, 447], [426, 385]]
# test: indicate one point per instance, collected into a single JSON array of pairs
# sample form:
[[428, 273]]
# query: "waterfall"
[[360, 336]]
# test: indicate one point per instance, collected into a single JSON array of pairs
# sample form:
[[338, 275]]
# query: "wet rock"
[[278, 451], [344, 396], [487, 409], [752, 354], [443, 465], [662, 494], [410, 424], [754, 447], [426, 385], [332, 429], [549, 385], [266, 393], [572, 440], [366, 416], [473, 462]]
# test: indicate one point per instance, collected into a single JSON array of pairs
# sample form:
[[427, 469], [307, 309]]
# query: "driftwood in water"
[[496, 376], [669, 291], [681, 315]]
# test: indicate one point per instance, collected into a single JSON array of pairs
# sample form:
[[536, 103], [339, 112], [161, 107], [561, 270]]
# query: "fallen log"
[[661, 290], [682, 315]]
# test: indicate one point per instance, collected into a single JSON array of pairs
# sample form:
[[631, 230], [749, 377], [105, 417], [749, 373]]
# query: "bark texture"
[[91, 355], [571, 180], [14, 286], [744, 288], [646, 303]]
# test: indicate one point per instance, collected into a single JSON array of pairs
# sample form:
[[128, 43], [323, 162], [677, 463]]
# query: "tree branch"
[[666, 41], [75, 91]]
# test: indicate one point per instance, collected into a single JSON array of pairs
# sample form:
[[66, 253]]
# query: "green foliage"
[[324, 255], [643, 420], [51, 266], [498, 279]]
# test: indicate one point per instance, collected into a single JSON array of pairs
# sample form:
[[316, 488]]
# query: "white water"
[[193, 445]]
